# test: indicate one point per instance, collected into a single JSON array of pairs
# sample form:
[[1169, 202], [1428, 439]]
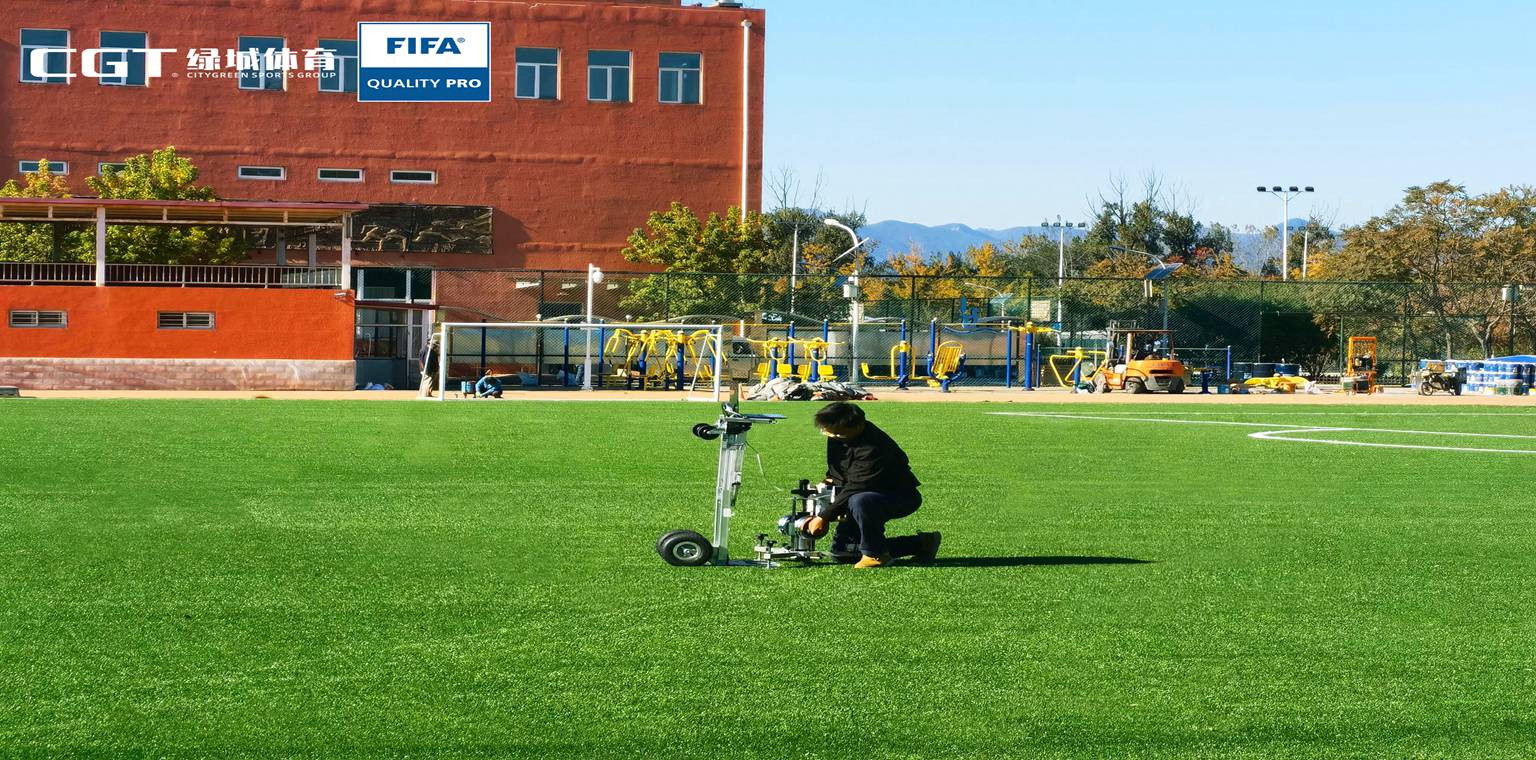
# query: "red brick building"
[[600, 113], [568, 175]]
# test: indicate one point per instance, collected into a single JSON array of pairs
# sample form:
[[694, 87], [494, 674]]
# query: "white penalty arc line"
[[1281, 435], [1271, 434]]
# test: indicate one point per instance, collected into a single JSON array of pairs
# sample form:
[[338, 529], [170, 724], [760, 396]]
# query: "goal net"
[[579, 356]]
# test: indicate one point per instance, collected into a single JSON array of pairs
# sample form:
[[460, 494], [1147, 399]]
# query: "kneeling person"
[[875, 485]]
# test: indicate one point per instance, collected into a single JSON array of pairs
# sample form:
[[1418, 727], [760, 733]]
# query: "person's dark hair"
[[839, 415]]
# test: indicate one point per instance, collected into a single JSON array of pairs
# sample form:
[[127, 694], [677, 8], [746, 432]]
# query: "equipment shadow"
[[1031, 561]]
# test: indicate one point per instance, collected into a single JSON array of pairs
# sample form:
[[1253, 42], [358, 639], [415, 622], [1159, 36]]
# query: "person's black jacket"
[[429, 359], [871, 462]]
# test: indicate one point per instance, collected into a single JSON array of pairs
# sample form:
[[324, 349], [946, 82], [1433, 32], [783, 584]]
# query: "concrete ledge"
[[178, 374]]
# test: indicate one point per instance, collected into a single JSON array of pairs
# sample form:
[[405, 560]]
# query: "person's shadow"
[[1031, 561]]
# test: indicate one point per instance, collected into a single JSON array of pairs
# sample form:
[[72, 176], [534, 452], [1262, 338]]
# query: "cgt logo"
[[427, 62]]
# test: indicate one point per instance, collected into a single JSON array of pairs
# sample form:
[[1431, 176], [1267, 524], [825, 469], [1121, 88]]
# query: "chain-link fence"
[[1225, 325]]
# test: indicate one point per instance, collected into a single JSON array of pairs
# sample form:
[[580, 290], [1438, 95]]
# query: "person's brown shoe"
[[929, 543], [868, 562]]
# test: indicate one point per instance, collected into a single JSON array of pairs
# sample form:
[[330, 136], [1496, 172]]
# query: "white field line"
[[1256, 412], [1281, 435], [1272, 434]]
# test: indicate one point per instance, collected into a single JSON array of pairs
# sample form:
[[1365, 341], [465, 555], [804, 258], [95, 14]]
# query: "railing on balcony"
[[233, 275]]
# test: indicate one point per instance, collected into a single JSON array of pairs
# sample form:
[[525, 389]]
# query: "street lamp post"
[[1285, 194], [855, 306], [1061, 259]]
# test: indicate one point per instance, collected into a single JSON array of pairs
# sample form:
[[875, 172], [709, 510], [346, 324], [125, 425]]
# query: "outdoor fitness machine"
[[686, 548]]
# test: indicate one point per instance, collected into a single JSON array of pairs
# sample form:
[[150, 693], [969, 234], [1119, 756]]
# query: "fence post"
[[1259, 348], [666, 286]]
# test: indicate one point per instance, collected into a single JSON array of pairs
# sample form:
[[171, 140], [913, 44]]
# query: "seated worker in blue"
[[488, 387], [875, 485]]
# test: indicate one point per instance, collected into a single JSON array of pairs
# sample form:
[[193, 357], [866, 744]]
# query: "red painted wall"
[[120, 322], [569, 179]]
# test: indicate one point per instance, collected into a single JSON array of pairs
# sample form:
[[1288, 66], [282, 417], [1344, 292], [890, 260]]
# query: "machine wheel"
[[1135, 387], [1100, 384], [1176, 385], [685, 548]]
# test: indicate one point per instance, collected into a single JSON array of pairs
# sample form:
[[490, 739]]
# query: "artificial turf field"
[[329, 579]]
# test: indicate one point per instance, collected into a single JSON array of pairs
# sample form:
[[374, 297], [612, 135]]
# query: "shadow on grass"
[[1031, 561]]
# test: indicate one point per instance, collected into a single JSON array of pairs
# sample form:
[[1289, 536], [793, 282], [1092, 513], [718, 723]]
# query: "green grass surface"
[[392, 579]]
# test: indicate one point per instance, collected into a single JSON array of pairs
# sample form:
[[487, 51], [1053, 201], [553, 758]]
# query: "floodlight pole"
[[1061, 263], [1285, 195]]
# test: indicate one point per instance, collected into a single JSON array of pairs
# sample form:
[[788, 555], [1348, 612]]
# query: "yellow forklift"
[[1139, 361]]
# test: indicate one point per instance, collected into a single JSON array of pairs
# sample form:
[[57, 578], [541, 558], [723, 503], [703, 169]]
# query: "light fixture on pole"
[[851, 290], [794, 265], [594, 276], [1061, 259], [1285, 194], [1159, 273]]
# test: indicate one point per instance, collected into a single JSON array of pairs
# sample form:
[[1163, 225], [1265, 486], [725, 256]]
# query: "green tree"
[[1459, 247], [163, 175], [719, 253], [34, 242]]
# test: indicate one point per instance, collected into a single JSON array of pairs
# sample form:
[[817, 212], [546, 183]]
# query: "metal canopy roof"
[[235, 213]]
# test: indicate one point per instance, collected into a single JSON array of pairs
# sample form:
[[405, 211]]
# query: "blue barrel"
[[1288, 370], [1263, 369]]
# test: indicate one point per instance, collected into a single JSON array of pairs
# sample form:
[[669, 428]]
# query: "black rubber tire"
[[1176, 386], [685, 548], [1135, 387]]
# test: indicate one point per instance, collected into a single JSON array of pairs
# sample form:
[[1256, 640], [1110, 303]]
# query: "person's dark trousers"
[[868, 512]]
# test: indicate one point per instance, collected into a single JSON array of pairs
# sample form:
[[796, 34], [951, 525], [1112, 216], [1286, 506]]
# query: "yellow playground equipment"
[[944, 366], [779, 355], [667, 357], [901, 366], [1075, 366], [1360, 367]]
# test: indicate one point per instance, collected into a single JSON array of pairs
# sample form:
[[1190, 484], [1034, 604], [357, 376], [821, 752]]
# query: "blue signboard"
[[428, 62]]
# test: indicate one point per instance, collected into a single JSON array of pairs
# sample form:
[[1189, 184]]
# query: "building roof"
[[121, 211]]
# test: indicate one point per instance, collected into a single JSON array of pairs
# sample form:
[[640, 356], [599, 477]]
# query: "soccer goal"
[[581, 356]]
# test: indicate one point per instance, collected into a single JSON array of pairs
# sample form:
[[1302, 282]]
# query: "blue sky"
[[995, 113]]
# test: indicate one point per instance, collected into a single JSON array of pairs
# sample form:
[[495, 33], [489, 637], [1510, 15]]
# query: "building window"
[[55, 61], [107, 166], [608, 76], [404, 285], [39, 319], [263, 172], [343, 78], [682, 76], [538, 73], [263, 63], [413, 178], [341, 175], [185, 320], [54, 167], [122, 59]]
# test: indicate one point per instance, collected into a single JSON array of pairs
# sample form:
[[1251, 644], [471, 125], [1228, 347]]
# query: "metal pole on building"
[[101, 246], [346, 252]]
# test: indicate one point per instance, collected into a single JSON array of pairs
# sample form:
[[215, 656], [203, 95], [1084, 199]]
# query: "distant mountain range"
[[896, 237]]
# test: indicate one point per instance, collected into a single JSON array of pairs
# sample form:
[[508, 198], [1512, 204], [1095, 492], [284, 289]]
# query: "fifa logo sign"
[[424, 62]]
